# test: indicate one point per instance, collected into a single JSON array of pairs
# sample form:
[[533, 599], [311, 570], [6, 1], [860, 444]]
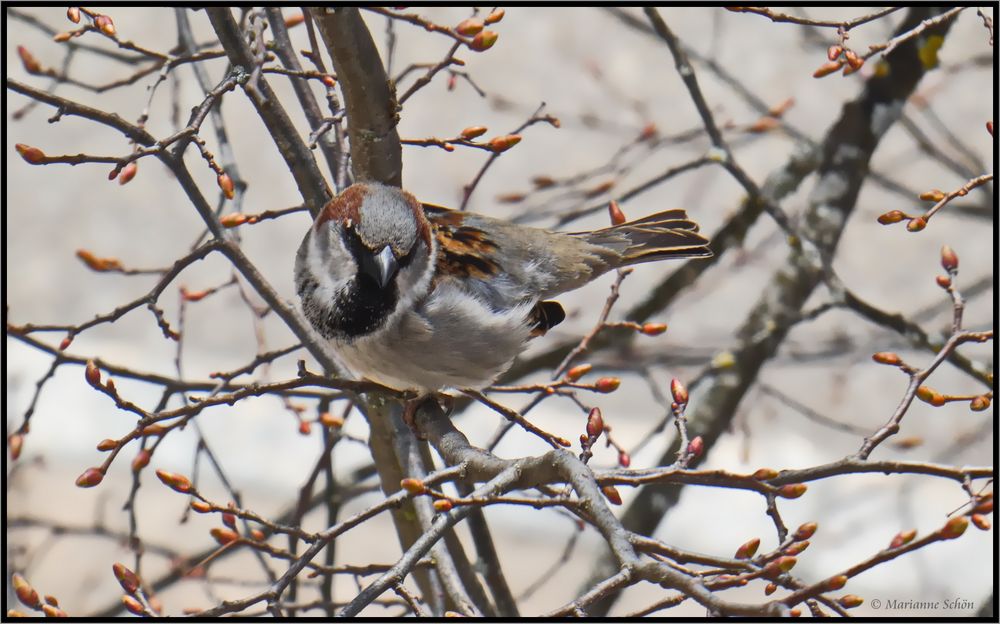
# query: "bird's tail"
[[668, 234]]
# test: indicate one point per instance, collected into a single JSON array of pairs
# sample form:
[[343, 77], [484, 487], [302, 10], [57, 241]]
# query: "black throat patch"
[[358, 310]]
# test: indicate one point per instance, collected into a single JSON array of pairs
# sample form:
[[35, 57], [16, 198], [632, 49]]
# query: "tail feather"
[[668, 234]]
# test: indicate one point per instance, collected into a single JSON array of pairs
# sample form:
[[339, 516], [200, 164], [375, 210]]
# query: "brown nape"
[[344, 206]]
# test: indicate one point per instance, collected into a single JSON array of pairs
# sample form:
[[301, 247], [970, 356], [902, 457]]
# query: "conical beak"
[[381, 267]]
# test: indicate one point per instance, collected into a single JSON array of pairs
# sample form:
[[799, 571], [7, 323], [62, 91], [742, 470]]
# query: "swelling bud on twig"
[[126, 578], [954, 527], [748, 549], [611, 493], [224, 536], [935, 195], [504, 143], [226, 184], [25, 592], [615, 212], [678, 391], [893, 216], [443, 505], [90, 478], [578, 371], [484, 40], [133, 606], [595, 423], [763, 474], [607, 385], [495, 16], [805, 531], [887, 357], [469, 27], [916, 224], [15, 441], [696, 447], [828, 68], [792, 490], [472, 132], [31, 155], [850, 601], [105, 25], [902, 538], [415, 487], [176, 482], [949, 259]]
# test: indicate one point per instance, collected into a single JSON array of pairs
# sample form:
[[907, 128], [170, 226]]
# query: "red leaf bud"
[[827, 68], [90, 478], [484, 40], [833, 52], [916, 224], [850, 601], [624, 460], [73, 14], [902, 538], [853, 60], [443, 505], [678, 391], [805, 531], [611, 493], [595, 423], [226, 184], [25, 592], [949, 259], [495, 16], [200, 506], [224, 536], [792, 490], [943, 281], [653, 329], [748, 549], [607, 385], [504, 143], [934, 195], [469, 27], [578, 371], [133, 606], [887, 357], [472, 132], [233, 219], [980, 403], [696, 447], [141, 460], [954, 527], [15, 441], [835, 583], [982, 522], [176, 482], [31, 64], [126, 578], [893, 216], [615, 212], [763, 474], [413, 486], [31, 155], [128, 173], [105, 25]]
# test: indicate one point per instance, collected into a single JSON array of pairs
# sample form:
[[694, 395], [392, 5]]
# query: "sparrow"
[[421, 298]]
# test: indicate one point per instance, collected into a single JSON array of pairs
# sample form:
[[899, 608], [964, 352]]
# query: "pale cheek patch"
[[331, 266]]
